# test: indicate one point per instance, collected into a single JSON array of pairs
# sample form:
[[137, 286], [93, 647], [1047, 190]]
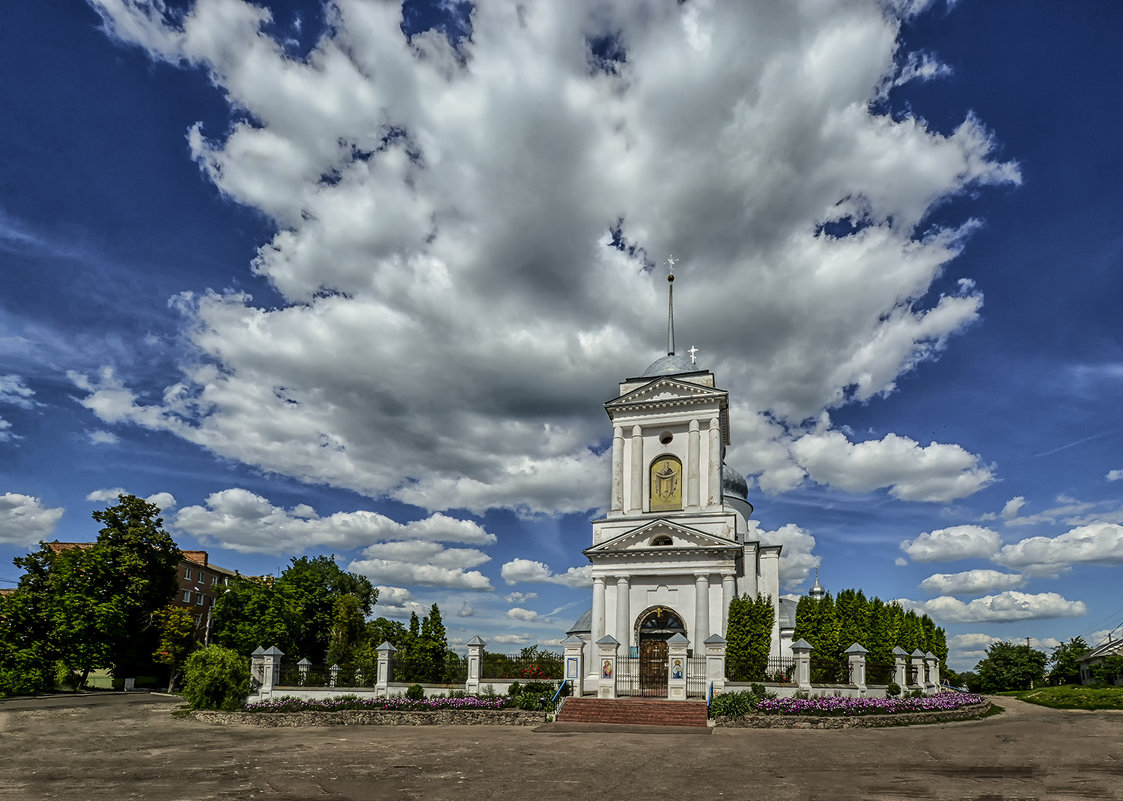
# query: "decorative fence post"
[[802, 649], [900, 674], [606, 684], [575, 663], [475, 664], [918, 664], [271, 670], [677, 647], [385, 667], [715, 662], [333, 675], [302, 668], [257, 666], [856, 655], [933, 672]]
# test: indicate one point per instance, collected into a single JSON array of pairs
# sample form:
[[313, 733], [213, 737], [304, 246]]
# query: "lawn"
[[1071, 696]]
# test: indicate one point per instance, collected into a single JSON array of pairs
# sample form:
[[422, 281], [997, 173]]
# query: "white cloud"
[[511, 639], [519, 597], [397, 603], [796, 559], [165, 500], [518, 570], [406, 182], [1001, 608], [244, 521], [24, 520], [1114, 475], [970, 582], [465, 610], [518, 613], [911, 472], [1097, 543], [423, 562], [101, 437], [1012, 507], [950, 544], [13, 392]]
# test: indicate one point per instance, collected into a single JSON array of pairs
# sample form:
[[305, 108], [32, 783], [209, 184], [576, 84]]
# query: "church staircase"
[[634, 712]]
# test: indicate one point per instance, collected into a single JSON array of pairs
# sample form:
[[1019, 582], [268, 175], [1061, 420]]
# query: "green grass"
[[1071, 696]]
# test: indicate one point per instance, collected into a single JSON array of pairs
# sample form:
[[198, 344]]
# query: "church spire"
[[671, 305]]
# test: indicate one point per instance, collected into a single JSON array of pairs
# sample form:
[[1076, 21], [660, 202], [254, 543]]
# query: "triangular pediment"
[[643, 537], [667, 389]]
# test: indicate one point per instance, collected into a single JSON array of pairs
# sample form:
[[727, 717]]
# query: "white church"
[[673, 549]]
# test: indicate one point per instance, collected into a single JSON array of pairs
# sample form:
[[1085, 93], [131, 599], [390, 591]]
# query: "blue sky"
[[320, 280]]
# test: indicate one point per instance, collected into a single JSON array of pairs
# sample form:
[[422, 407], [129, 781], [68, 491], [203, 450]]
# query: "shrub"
[[216, 678], [514, 689], [734, 705], [538, 688], [893, 689], [415, 692]]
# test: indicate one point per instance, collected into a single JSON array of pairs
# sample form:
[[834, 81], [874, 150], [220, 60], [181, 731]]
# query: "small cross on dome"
[[693, 358]]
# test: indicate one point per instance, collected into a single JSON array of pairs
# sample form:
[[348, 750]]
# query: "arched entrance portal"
[[653, 628]]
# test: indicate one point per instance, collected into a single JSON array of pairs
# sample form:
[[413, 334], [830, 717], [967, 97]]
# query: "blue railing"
[[710, 695], [559, 692]]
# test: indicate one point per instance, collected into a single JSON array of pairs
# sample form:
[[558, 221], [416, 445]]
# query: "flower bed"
[[850, 707], [396, 704]]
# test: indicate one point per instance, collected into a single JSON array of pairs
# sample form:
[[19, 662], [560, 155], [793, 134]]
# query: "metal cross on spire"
[[693, 354], [671, 260]]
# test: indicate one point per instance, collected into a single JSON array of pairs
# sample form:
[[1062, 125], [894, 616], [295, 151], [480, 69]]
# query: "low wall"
[[497, 687], [850, 722], [378, 717]]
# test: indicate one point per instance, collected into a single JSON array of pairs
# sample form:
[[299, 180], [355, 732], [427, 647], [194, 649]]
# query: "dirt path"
[[120, 747]]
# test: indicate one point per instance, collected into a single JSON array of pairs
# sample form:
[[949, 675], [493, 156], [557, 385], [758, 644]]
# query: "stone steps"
[[635, 712]]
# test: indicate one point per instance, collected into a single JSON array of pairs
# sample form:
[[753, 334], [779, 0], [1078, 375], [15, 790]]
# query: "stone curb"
[[854, 722], [376, 717]]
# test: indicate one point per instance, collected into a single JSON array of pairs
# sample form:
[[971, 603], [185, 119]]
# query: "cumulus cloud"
[[397, 603], [244, 521], [102, 437], [796, 559], [1114, 475], [428, 564], [1012, 507], [519, 597], [1001, 608], [518, 613], [950, 544], [519, 570], [24, 520], [1097, 543], [406, 181], [970, 582]]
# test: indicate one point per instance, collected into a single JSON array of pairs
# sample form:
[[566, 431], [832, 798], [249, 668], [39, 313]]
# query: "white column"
[[476, 647], [692, 466], [598, 610], [617, 469], [714, 494], [635, 503], [701, 612], [623, 613], [728, 590]]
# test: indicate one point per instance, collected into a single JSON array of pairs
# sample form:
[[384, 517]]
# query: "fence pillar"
[[257, 666], [677, 666], [475, 665], [918, 662], [933, 672], [900, 672], [385, 670], [607, 646], [333, 675], [302, 668], [801, 650], [715, 662], [575, 664], [856, 654], [271, 670]]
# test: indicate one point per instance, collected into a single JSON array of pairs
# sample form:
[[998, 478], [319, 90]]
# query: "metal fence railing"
[[696, 677], [879, 672]]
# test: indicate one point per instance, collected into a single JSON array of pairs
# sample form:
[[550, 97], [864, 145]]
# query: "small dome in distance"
[[672, 364]]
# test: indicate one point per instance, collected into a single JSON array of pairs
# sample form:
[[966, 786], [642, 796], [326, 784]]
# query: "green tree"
[[26, 664], [348, 630], [1007, 666], [142, 562], [432, 644], [216, 678], [250, 613], [312, 586], [177, 640], [1064, 662]]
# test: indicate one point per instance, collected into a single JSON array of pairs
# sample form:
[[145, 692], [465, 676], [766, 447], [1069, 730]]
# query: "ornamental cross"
[[671, 262], [693, 350]]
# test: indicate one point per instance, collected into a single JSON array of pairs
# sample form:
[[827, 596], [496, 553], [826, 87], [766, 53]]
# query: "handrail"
[[710, 695], [560, 688]]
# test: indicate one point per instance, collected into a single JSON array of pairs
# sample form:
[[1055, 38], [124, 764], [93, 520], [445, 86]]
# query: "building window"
[[202, 577], [662, 540], [187, 596], [187, 573], [666, 484], [214, 580], [198, 620], [199, 598]]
